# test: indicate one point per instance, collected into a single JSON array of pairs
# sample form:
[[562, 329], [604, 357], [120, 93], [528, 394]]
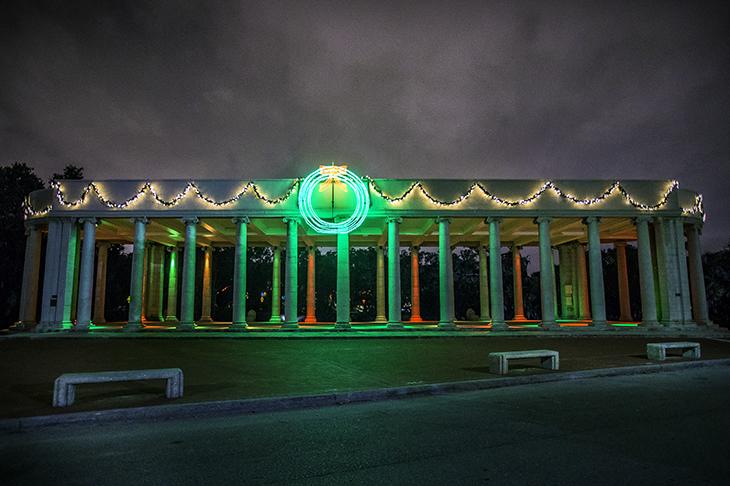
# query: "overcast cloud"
[[444, 89]]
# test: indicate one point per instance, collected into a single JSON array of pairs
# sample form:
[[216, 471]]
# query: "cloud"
[[466, 89]]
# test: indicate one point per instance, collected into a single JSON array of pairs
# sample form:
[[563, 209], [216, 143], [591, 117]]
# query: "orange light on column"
[[310, 317], [415, 287]]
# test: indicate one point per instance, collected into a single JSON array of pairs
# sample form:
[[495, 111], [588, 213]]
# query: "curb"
[[257, 405]]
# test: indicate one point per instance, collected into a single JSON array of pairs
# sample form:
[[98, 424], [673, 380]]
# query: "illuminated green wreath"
[[333, 174]]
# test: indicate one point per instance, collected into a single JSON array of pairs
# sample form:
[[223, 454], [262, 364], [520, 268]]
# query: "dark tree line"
[[17, 180]]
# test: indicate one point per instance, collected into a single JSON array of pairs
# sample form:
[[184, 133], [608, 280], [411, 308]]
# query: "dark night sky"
[[470, 89]]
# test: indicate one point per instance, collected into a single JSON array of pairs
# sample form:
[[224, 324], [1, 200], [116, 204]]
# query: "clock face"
[[333, 199]]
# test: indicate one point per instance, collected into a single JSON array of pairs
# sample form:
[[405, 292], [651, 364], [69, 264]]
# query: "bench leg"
[[656, 354], [174, 387], [550, 363], [498, 365], [64, 394]]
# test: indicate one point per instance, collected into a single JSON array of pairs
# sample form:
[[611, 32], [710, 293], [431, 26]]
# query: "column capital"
[[542, 219], [591, 219], [515, 246], [190, 220], [207, 248], [31, 225], [644, 218], [103, 244], [311, 248], [493, 219], [172, 248], [393, 219], [619, 243], [291, 219], [441, 219], [241, 220], [415, 248], [141, 219], [91, 220]]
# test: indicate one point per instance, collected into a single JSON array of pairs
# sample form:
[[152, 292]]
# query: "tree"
[[717, 283], [16, 182], [70, 172]]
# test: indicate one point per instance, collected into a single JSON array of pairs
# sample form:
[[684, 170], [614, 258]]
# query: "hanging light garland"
[[547, 185], [252, 187]]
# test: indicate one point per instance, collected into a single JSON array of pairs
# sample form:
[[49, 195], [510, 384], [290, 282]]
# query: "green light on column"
[[333, 173]]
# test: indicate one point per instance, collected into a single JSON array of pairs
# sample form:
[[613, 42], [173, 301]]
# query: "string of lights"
[[547, 185], [252, 187]]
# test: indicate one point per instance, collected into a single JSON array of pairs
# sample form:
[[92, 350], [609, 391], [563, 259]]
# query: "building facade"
[[166, 221]]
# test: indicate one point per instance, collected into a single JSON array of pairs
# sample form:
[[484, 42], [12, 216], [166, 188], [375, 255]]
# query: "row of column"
[[672, 286]]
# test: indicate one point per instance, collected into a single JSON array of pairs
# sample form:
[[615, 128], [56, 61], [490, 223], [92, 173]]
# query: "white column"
[[31, 275], [394, 297], [239, 275], [595, 264], [343, 281], [187, 301], [547, 282], [134, 322], [496, 292], [207, 293], [86, 275], [446, 276], [291, 290]]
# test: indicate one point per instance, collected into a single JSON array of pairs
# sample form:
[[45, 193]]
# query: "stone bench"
[[64, 388], [658, 351], [498, 362]]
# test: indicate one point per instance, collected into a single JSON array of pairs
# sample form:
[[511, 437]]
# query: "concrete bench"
[[64, 388], [658, 351], [498, 362]]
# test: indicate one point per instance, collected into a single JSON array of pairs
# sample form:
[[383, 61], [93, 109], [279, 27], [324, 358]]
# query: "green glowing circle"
[[333, 174]]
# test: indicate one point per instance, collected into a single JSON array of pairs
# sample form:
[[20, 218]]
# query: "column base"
[[381, 319], [171, 319], [601, 326], [395, 325], [133, 327], [290, 325], [51, 327], [99, 321], [205, 319], [415, 319], [342, 326], [81, 327], [185, 326], [499, 326], [275, 321], [650, 325], [310, 320], [237, 326], [551, 326], [519, 318], [447, 325], [22, 326]]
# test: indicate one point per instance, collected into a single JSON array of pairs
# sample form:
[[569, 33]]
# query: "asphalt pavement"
[[665, 428]]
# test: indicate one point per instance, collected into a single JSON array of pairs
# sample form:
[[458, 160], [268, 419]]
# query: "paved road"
[[669, 428]]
